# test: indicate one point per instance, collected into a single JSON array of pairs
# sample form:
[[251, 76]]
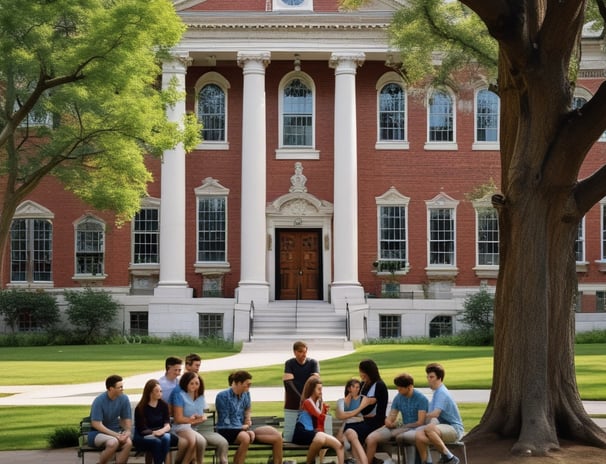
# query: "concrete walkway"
[[83, 394]]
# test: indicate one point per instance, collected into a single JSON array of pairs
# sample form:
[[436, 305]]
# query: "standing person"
[[296, 372], [193, 362], [152, 423], [374, 414], [234, 419], [110, 419], [445, 420], [309, 429], [412, 405], [170, 379]]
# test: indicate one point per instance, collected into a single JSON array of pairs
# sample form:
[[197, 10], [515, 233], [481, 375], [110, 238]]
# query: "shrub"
[[63, 437], [478, 312], [91, 311], [592, 336], [37, 308]]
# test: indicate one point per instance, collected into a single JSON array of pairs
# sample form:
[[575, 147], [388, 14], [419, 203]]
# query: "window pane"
[[210, 325], [392, 234], [42, 249], [441, 119], [488, 237], [212, 229], [89, 248], [392, 113], [19, 250], [211, 112], [31, 250], [146, 240], [487, 114], [440, 326], [139, 323], [579, 244], [297, 117], [441, 236], [389, 326]]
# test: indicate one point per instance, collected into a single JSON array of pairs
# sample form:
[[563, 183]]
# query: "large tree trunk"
[[534, 396]]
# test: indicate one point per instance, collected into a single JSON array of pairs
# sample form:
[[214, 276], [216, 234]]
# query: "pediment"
[[211, 187], [299, 204], [31, 209]]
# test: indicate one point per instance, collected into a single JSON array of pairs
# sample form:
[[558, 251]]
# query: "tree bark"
[[534, 396]]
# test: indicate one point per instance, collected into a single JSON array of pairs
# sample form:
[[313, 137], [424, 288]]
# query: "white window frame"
[[146, 204], [447, 144], [480, 144], [30, 211], [220, 81], [293, 5], [484, 270], [393, 198], [391, 78], [442, 202], [211, 188], [90, 219], [287, 152]]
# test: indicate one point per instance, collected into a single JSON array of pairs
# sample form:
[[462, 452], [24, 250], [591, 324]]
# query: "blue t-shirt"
[[410, 407], [449, 412], [230, 409], [109, 412], [190, 407]]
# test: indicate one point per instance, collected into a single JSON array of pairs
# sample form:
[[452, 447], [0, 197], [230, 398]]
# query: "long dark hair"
[[369, 367], [149, 387], [309, 387]]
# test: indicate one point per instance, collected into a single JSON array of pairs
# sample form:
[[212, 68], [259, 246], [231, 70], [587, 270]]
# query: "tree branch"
[[590, 190]]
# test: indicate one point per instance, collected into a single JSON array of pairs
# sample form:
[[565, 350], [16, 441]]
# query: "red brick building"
[[324, 183]]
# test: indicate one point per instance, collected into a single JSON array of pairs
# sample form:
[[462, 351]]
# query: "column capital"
[[346, 60], [256, 57], [177, 63]]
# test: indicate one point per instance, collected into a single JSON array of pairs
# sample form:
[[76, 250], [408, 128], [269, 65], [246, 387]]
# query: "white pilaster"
[[172, 210], [345, 286], [253, 285]]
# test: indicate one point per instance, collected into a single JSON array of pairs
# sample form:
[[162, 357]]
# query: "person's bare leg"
[[421, 442], [269, 435], [190, 451], [356, 447], [244, 439]]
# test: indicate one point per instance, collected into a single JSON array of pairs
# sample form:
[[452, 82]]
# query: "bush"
[[592, 336], [38, 308], [63, 437], [92, 312], [478, 310]]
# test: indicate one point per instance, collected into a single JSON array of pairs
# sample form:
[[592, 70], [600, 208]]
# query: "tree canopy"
[[80, 99]]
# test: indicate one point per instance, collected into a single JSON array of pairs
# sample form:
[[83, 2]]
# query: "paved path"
[[83, 394]]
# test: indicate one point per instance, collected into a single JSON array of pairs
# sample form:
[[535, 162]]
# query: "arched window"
[[392, 113], [441, 122], [90, 247], [487, 116], [211, 113], [440, 326], [297, 114]]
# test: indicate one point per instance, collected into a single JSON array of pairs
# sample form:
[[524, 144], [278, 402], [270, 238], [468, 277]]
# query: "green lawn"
[[30, 426], [466, 368]]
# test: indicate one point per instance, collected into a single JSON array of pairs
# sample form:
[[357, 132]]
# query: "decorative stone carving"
[[298, 179]]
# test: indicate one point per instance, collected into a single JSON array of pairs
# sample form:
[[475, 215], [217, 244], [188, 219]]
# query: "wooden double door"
[[299, 264]]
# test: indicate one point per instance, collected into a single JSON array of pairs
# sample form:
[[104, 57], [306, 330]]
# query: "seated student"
[[234, 419], [445, 423], [110, 417], [152, 423], [412, 405], [377, 395], [309, 429], [189, 407], [349, 407]]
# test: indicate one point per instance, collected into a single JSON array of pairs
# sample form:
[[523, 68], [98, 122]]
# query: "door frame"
[[299, 210]]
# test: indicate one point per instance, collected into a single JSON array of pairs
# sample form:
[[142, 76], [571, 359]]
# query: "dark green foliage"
[[37, 308], [92, 312], [478, 311], [63, 437]]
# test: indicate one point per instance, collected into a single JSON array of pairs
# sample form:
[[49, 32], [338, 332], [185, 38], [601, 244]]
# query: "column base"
[[257, 292], [343, 293], [173, 291]]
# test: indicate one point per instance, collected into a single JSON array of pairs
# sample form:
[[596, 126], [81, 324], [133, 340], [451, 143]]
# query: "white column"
[[345, 286], [253, 285], [172, 209]]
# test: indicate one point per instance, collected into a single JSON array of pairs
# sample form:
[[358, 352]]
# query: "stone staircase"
[[315, 322]]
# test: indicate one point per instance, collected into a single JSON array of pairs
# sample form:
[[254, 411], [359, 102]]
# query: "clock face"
[[293, 2]]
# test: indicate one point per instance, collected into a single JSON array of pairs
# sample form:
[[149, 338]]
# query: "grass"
[[19, 435], [466, 368]]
